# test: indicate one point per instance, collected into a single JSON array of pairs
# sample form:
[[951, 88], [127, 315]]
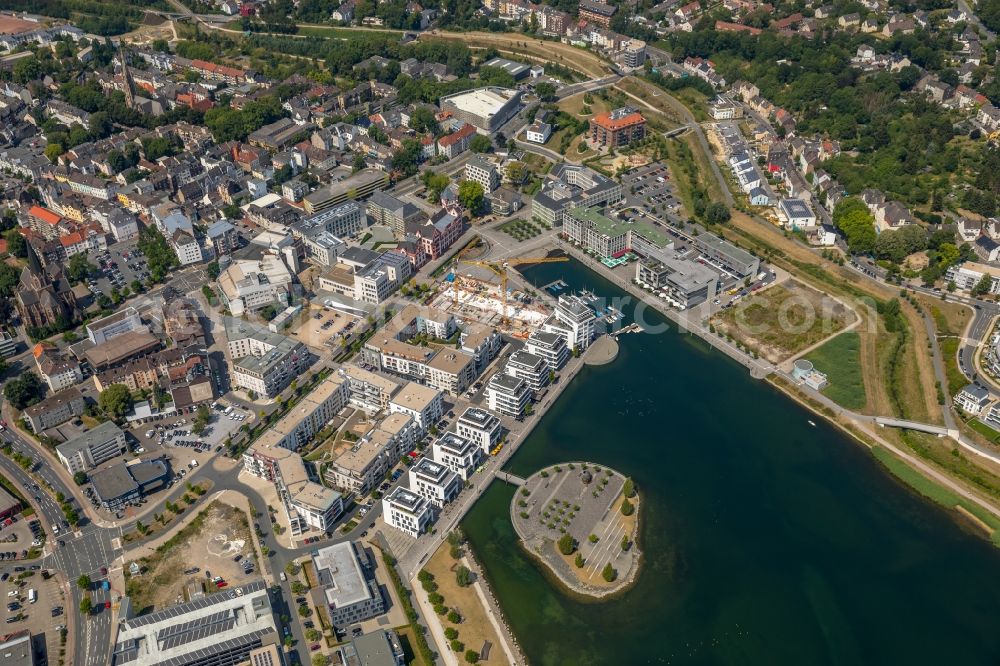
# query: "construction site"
[[492, 292]]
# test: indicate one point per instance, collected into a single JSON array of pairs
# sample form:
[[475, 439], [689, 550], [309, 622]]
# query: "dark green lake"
[[766, 540]]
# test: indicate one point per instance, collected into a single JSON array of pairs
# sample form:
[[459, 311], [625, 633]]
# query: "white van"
[[32, 596]]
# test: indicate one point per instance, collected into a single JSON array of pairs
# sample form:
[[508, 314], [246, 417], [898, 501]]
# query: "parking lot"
[[321, 328], [118, 266], [651, 186], [18, 535], [35, 601]]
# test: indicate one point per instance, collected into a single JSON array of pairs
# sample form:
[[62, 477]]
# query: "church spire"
[[128, 84], [33, 262]]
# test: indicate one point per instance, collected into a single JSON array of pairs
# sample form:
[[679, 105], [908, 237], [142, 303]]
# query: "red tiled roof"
[[605, 120], [455, 137], [45, 215], [71, 239]]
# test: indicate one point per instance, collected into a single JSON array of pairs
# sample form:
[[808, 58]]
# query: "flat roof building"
[[346, 584], [486, 108], [481, 427], [356, 186], [221, 628], [120, 484], [96, 446], [407, 511], [508, 395], [723, 253], [462, 456], [434, 482], [378, 648]]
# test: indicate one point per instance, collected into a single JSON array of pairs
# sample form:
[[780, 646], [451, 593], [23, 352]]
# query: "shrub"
[[579, 561], [451, 633], [429, 586], [440, 609], [454, 617], [609, 573], [435, 598], [593, 538], [471, 656], [567, 544], [457, 646], [629, 488], [463, 576], [627, 508]]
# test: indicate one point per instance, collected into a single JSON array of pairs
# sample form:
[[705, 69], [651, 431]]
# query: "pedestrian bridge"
[[940, 431], [510, 478]]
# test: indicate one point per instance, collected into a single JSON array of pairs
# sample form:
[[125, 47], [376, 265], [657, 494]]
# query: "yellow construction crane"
[[501, 270]]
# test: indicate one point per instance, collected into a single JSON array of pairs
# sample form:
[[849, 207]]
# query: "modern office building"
[[347, 584], [386, 210], [486, 108], [481, 427], [407, 511], [249, 285], [341, 221], [685, 283], [723, 253], [462, 456], [381, 647], [219, 629], [570, 186], [96, 446], [507, 395], [356, 186]]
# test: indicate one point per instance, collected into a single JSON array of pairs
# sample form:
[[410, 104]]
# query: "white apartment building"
[[362, 467], [248, 285], [480, 427], [58, 369], [317, 506], [309, 416], [549, 346], [482, 171], [482, 342], [507, 395], [186, 248], [462, 456], [407, 511], [262, 361], [368, 390], [434, 482], [532, 369], [575, 320], [423, 403]]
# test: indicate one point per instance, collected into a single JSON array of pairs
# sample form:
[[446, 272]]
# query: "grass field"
[[783, 319], [984, 430], [840, 359], [949, 353], [342, 33]]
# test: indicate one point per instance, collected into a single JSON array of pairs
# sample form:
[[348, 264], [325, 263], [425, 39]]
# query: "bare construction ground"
[[209, 544], [538, 50], [783, 320]]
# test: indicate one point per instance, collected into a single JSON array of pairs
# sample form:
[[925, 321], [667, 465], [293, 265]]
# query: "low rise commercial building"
[[356, 186], [92, 448], [108, 328], [122, 484], [381, 647], [486, 108], [222, 628], [249, 285], [684, 283]]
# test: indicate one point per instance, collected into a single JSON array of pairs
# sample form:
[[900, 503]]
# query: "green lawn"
[[984, 430], [949, 351], [840, 360]]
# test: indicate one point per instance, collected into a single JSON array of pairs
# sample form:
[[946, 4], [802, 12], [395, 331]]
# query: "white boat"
[[812, 423]]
